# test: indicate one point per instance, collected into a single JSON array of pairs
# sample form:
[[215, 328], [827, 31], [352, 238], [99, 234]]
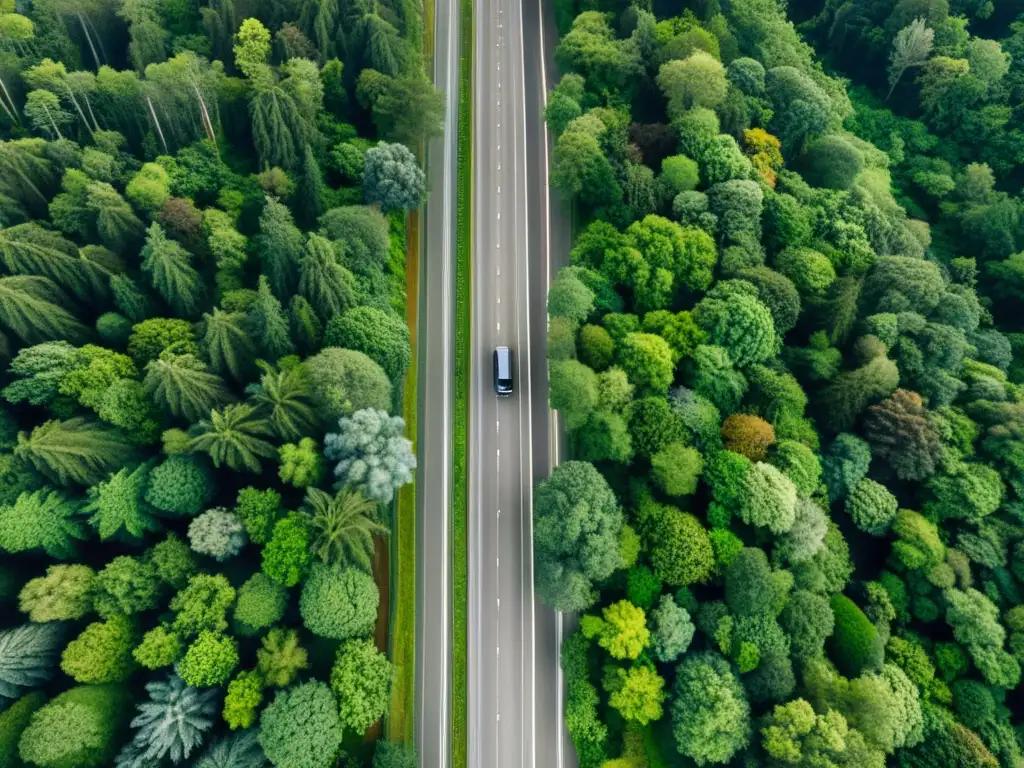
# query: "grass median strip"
[[463, 272]]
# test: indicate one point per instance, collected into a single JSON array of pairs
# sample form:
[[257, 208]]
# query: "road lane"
[[501, 606], [434, 472], [549, 243]]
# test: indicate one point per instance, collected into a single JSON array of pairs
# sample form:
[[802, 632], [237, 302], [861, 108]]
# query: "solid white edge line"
[[447, 360], [528, 547]]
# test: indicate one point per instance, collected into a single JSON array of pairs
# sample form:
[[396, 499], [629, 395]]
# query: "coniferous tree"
[[74, 451], [28, 249], [280, 247], [328, 286], [171, 273], [269, 325], [32, 308], [116, 222], [28, 655], [184, 387], [228, 344], [118, 506], [174, 721]]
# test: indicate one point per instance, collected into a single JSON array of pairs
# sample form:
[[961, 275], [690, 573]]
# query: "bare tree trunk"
[[50, 118], [14, 114], [206, 115], [88, 37], [78, 108], [88, 105], [156, 122], [99, 39], [895, 83]]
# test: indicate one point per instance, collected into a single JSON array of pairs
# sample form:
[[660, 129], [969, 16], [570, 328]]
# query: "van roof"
[[503, 362]]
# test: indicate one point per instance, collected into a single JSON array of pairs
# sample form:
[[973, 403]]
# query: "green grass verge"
[[463, 271], [400, 720]]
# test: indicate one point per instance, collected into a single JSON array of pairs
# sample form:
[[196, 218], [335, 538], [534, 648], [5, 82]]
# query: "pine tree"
[[227, 343], [44, 520], [241, 750], [32, 308], [119, 507], [234, 436], [269, 324], [28, 655], [28, 249], [184, 387], [174, 720], [283, 398], [280, 247], [169, 268], [116, 222], [342, 528], [312, 191], [329, 287], [74, 451]]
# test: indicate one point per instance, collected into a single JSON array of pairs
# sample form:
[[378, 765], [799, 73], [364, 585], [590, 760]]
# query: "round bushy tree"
[[344, 381], [373, 454], [77, 729], [102, 653], [872, 507], [381, 336], [710, 713], [339, 603], [855, 645], [261, 603], [577, 525], [361, 680], [181, 485], [209, 661], [681, 550], [217, 533], [301, 727], [672, 629], [64, 593]]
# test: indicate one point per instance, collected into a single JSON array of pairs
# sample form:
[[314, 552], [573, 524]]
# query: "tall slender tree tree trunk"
[[156, 122], [14, 114], [52, 123], [88, 37], [78, 108]]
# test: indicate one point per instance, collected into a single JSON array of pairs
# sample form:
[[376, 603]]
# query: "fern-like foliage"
[[28, 656], [227, 343], [118, 507], [269, 324], [43, 520], [28, 249], [342, 527], [116, 222], [99, 266], [171, 272], [184, 387], [329, 287], [75, 451], [32, 308], [234, 437], [242, 750], [283, 398], [173, 721], [281, 657]]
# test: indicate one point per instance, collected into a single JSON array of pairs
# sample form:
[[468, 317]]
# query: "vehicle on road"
[[502, 371]]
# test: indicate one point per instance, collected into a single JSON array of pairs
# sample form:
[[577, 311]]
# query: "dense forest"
[[202, 345], [789, 353]]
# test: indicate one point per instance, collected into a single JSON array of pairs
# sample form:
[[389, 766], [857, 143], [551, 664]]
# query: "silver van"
[[503, 371]]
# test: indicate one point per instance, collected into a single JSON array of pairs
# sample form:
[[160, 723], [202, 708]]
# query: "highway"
[[502, 725], [436, 366], [521, 234]]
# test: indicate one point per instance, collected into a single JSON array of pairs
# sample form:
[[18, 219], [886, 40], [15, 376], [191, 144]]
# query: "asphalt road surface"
[[436, 366], [515, 683]]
